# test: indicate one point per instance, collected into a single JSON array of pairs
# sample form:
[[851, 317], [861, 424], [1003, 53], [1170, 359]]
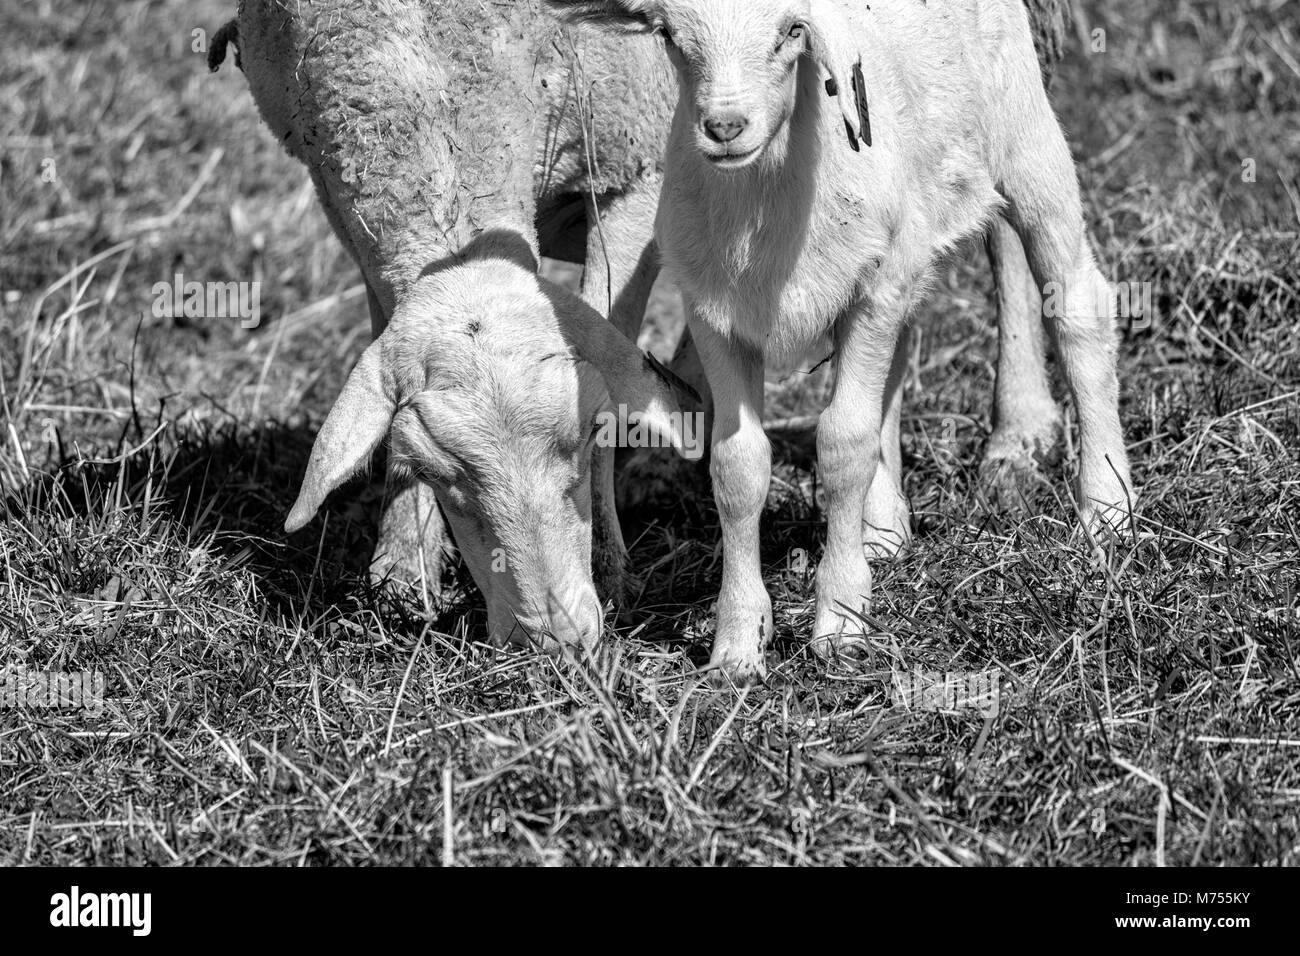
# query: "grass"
[[266, 706]]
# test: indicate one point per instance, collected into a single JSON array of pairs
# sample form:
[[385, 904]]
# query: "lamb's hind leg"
[[1026, 419], [887, 516], [1046, 209], [849, 459]]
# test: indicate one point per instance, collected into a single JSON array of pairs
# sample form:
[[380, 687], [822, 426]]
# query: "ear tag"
[[860, 100], [860, 94]]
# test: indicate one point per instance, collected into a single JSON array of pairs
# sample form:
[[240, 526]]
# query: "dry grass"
[[266, 706]]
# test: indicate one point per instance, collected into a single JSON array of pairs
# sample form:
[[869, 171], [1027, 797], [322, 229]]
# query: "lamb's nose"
[[726, 127]]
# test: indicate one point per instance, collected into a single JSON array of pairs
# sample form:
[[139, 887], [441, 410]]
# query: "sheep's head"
[[738, 64], [494, 386]]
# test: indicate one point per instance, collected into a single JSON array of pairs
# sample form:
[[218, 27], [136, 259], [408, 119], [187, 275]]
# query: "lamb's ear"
[[354, 428], [831, 35], [638, 390], [617, 14]]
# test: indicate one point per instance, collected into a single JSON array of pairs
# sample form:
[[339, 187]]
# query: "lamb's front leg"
[[848, 455], [742, 469]]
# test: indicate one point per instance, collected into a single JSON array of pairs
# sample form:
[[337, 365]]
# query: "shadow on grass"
[[228, 489]]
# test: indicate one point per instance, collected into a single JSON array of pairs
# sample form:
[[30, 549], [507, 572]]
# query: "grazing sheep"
[[436, 135], [779, 228]]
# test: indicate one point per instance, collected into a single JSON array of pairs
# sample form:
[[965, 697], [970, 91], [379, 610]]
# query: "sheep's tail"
[[227, 35], [1050, 21]]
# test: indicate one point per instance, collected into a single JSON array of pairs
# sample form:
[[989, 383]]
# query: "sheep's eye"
[[667, 35]]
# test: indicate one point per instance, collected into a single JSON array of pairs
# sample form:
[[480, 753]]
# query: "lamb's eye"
[[667, 35], [792, 35]]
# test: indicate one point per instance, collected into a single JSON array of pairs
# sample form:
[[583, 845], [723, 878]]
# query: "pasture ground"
[[267, 706]]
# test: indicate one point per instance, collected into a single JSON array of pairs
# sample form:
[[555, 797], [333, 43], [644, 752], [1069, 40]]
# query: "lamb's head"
[[738, 63], [494, 387]]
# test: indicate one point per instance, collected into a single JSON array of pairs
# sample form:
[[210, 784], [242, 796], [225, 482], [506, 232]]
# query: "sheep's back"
[[611, 103], [418, 120]]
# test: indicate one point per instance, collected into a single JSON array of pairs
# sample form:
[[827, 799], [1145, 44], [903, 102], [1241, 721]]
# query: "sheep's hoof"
[[408, 566], [407, 574], [610, 575]]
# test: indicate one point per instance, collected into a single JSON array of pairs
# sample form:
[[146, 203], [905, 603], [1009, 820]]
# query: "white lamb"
[[436, 135], [784, 218]]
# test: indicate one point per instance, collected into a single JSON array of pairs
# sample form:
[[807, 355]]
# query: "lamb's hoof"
[[742, 633], [840, 615], [1107, 523], [1012, 473], [846, 648], [887, 541], [886, 521], [736, 669]]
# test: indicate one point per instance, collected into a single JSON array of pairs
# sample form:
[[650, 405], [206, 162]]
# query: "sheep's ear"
[[640, 389], [353, 430], [832, 46], [619, 14]]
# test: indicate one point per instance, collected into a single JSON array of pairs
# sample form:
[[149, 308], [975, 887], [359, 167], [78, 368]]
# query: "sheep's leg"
[[413, 539], [1047, 212], [608, 549], [652, 476], [622, 265], [887, 518], [686, 364], [848, 457], [1026, 419], [742, 470], [622, 257]]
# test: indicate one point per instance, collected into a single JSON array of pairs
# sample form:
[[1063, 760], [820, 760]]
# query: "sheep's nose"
[[578, 625], [575, 623], [725, 127]]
